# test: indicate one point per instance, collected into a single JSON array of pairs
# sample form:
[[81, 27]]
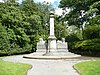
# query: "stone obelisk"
[[52, 39]]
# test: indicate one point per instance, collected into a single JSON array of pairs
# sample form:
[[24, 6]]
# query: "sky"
[[55, 4]]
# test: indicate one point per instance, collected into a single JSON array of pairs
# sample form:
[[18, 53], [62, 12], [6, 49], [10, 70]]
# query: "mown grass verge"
[[9, 68], [88, 68]]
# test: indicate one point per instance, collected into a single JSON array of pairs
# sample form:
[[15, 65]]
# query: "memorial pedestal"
[[52, 49]]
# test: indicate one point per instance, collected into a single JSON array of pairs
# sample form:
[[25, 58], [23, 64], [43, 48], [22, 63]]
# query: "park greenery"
[[22, 24], [88, 68], [85, 16], [9, 68]]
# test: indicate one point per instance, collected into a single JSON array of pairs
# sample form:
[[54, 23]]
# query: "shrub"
[[8, 45], [4, 41], [91, 32], [87, 47]]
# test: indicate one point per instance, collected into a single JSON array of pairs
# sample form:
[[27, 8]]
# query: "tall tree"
[[78, 8], [12, 18], [94, 14], [92, 28], [22, 25], [38, 19]]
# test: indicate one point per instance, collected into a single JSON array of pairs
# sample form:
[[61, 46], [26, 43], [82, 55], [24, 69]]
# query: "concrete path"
[[49, 67]]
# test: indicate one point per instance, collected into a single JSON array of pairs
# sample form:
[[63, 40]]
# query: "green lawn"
[[9, 68], [88, 68]]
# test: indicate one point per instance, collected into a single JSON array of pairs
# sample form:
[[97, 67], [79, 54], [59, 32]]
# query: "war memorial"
[[51, 48]]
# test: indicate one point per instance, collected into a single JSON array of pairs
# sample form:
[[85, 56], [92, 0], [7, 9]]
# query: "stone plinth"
[[41, 46], [62, 47], [52, 49]]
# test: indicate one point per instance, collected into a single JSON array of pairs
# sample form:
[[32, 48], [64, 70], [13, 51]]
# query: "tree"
[[78, 8], [94, 14], [37, 15], [12, 18], [60, 28], [92, 27], [84, 14], [4, 41], [23, 25]]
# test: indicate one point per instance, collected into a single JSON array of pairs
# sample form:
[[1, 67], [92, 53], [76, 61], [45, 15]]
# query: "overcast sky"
[[55, 3]]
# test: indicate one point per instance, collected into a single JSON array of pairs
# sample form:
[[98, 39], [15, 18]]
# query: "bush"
[[75, 35], [4, 41], [8, 45], [72, 37], [87, 47], [91, 32]]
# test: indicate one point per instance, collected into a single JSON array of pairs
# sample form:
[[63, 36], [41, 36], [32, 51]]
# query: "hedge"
[[86, 47]]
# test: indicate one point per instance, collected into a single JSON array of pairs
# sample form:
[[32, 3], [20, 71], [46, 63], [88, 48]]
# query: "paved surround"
[[41, 55], [50, 67], [51, 57]]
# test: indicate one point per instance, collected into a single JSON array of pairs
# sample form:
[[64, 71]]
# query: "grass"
[[88, 68], [9, 68]]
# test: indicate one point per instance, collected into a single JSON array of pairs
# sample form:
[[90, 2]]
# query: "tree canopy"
[[22, 25], [80, 11], [85, 16]]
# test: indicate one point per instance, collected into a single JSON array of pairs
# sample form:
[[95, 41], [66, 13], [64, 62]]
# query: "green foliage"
[[60, 28], [84, 14], [4, 40], [80, 11], [91, 32], [12, 20], [21, 26], [89, 67], [87, 47], [9, 68], [74, 34], [94, 9], [72, 37], [88, 44]]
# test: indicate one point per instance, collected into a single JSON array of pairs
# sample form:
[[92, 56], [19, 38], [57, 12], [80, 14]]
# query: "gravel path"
[[50, 67]]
